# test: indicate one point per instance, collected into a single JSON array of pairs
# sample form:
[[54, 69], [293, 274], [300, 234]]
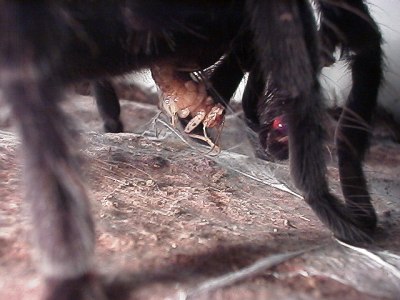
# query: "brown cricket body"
[[181, 97]]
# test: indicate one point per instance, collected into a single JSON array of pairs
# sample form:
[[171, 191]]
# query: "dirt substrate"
[[170, 220]]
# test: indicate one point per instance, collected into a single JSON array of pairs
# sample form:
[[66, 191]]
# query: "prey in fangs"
[[181, 97]]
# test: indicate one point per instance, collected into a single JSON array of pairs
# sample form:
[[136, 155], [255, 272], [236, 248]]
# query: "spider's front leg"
[[288, 52], [352, 134]]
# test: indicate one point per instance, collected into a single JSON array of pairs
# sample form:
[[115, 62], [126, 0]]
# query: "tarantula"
[[47, 45]]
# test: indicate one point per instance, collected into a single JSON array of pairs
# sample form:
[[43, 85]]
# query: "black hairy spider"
[[47, 45]]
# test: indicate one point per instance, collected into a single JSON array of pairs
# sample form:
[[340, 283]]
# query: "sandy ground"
[[171, 220]]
